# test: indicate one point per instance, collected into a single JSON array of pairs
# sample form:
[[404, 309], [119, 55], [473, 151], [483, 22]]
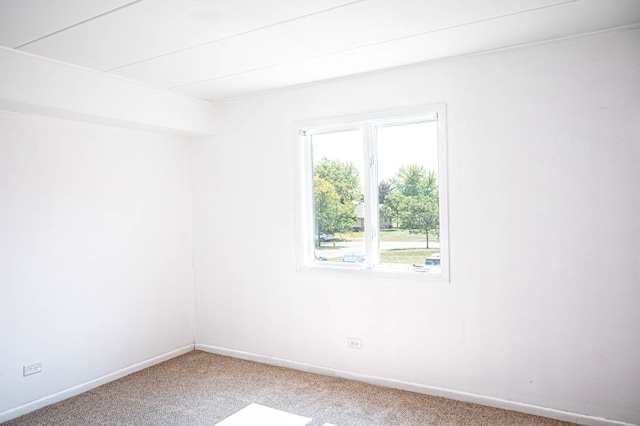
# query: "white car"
[[433, 259], [353, 258]]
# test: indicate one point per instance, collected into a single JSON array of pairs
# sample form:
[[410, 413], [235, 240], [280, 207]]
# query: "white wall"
[[542, 307], [95, 252]]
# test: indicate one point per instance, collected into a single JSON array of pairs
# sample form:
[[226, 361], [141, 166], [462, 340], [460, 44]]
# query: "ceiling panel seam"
[[286, 21], [77, 24], [368, 45]]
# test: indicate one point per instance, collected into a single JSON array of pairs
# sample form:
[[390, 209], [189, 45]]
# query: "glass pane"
[[408, 195], [338, 197]]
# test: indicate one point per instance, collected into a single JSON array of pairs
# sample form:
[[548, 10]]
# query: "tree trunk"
[[427, 232]]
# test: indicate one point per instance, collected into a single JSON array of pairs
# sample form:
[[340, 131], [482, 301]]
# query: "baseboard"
[[418, 388], [76, 390]]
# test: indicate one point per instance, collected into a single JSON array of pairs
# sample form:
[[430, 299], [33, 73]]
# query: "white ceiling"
[[216, 49]]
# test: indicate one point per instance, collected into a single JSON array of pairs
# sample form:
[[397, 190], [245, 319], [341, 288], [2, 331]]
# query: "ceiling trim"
[[264, 27], [77, 24], [364, 46]]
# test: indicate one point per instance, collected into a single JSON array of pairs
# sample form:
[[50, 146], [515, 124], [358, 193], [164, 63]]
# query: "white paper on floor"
[[259, 415]]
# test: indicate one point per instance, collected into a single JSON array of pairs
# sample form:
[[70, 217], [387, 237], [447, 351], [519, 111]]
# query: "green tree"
[[384, 190], [336, 188], [415, 201], [390, 210], [344, 178], [414, 181]]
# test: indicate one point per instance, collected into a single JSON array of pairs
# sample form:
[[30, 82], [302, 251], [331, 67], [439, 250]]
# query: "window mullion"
[[373, 197], [370, 204]]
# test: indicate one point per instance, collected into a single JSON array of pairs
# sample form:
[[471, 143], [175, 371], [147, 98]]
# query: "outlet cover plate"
[[30, 369]]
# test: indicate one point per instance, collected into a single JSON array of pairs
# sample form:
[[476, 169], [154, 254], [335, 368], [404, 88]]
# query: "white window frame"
[[369, 123]]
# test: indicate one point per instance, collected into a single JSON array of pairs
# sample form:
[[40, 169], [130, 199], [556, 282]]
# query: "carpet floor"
[[200, 388]]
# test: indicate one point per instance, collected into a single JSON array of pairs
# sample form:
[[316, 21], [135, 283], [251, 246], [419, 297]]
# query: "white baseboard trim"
[[76, 390], [418, 388]]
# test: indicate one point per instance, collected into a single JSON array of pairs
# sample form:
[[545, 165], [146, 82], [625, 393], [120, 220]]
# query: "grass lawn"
[[387, 235], [406, 256]]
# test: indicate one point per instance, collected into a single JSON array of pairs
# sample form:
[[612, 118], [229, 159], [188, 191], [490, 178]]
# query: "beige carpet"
[[200, 388]]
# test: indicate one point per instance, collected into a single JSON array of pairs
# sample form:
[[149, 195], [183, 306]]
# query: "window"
[[373, 193]]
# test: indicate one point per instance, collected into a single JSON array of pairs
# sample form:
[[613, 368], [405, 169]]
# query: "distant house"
[[358, 226]]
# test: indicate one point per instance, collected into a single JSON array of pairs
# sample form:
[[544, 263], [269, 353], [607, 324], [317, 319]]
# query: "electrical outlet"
[[354, 343], [28, 370]]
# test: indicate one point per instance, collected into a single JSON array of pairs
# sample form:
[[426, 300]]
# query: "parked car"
[[326, 237], [353, 258], [433, 260]]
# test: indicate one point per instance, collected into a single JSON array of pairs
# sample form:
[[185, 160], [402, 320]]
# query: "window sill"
[[379, 272]]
